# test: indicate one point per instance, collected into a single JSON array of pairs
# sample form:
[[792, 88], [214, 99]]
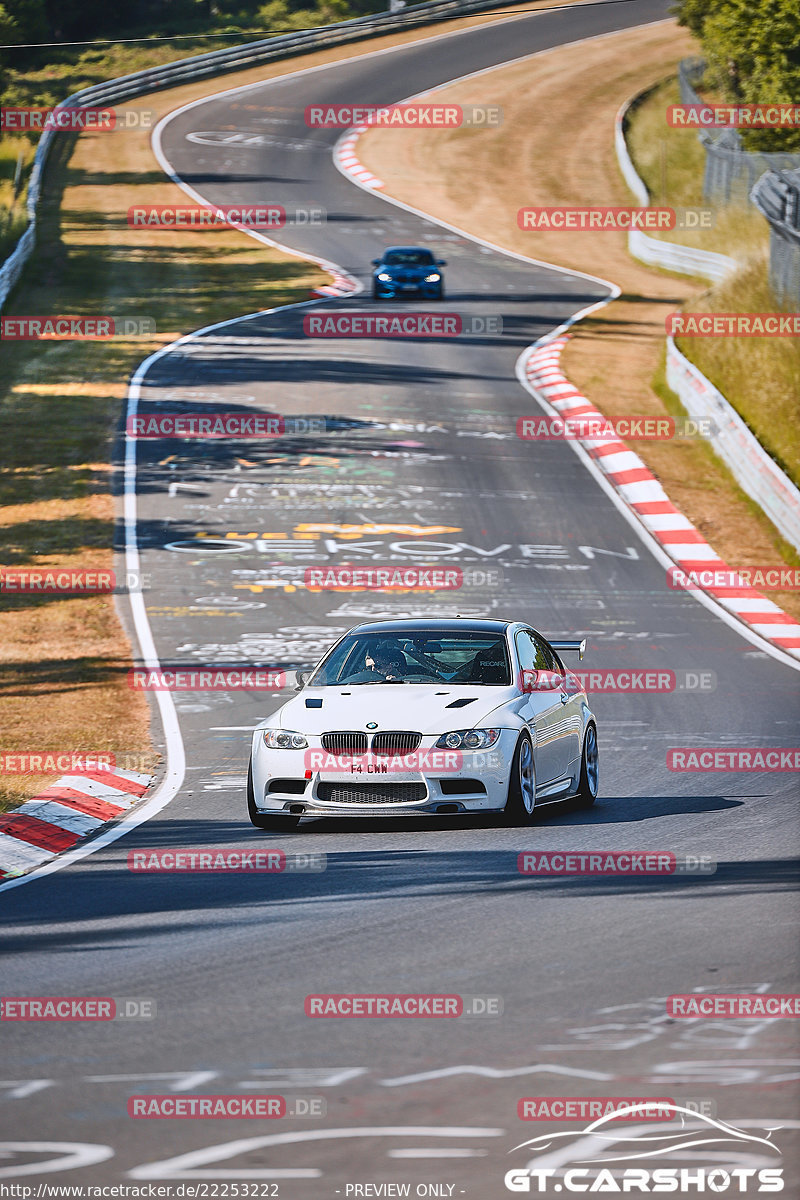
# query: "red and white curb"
[[645, 497], [345, 157], [342, 285], [63, 814]]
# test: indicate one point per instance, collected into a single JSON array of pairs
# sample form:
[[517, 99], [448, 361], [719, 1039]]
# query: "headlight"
[[431, 278], [284, 739], [468, 739], [384, 278]]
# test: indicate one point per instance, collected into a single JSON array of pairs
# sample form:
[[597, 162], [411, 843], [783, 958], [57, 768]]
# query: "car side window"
[[545, 659], [526, 652]]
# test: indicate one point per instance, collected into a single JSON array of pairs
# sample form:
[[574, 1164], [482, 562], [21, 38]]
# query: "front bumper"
[[399, 291], [441, 791]]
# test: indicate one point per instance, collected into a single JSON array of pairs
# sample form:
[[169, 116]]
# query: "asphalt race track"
[[417, 462]]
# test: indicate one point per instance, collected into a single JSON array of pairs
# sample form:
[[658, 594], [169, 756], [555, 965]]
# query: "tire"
[[589, 777], [521, 802], [280, 821]]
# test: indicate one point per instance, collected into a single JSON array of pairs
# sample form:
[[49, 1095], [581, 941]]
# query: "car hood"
[[427, 709]]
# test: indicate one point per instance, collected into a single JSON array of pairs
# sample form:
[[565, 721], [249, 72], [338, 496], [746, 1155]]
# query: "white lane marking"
[[437, 1152], [189, 1166], [184, 1081], [72, 1155], [494, 1073]]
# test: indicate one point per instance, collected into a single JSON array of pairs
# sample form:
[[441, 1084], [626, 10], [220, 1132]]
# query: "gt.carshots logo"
[[594, 1159]]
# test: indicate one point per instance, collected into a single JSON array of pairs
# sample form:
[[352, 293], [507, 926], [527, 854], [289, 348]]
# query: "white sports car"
[[489, 720]]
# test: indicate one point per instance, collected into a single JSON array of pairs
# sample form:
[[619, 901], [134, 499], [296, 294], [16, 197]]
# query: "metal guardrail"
[[776, 195], [217, 62], [730, 170], [653, 251], [738, 448], [746, 458]]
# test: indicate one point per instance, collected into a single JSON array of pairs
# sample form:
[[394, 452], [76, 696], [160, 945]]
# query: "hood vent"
[[462, 702]]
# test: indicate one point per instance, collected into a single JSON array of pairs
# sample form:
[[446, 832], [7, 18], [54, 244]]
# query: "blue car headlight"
[[385, 277], [432, 278], [468, 739], [284, 739]]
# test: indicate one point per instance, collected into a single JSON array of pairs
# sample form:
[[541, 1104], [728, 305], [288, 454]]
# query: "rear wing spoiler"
[[571, 646]]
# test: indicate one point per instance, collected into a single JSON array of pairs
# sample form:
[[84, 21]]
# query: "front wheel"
[[278, 822], [590, 770], [521, 800]]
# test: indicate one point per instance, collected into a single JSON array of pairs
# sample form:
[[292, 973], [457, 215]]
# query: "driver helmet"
[[388, 659]]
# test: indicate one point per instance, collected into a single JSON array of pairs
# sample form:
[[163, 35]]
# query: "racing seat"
[[489, 666]]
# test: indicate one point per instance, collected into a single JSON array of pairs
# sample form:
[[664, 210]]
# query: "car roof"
[[434, 625], [425, 249]]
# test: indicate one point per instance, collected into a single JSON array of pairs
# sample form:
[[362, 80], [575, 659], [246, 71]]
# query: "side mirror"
[[300, 680], [376, 262], [528, 680], [441, 262]]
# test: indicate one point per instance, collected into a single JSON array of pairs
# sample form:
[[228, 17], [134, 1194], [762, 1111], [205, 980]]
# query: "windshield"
[[408, 258], [459, 656]]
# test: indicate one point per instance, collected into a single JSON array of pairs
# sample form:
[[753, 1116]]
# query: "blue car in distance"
[[407, 271]]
